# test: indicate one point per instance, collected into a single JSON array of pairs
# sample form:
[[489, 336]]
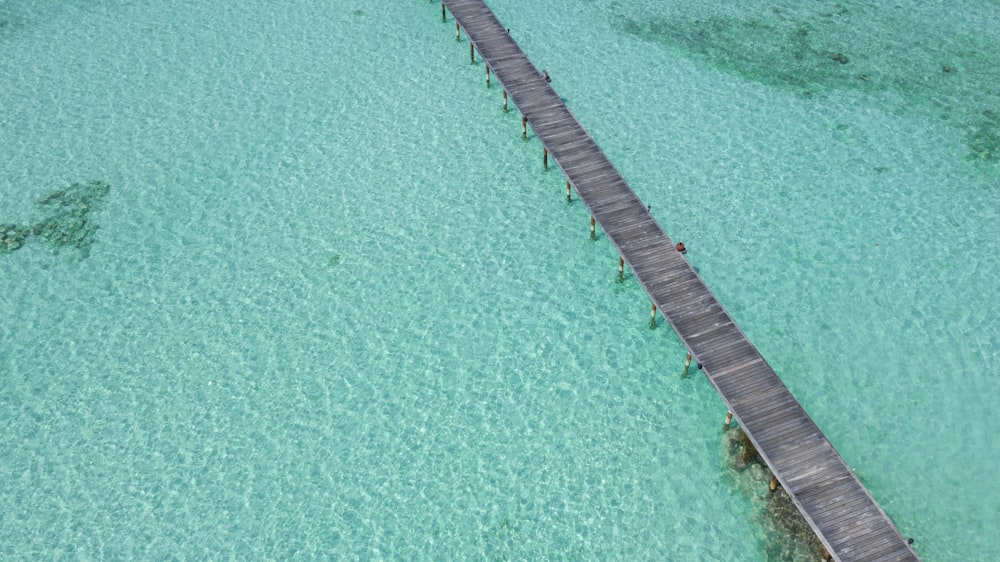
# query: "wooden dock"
[[844, 516]]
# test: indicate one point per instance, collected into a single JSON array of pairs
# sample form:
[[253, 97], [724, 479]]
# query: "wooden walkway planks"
[[838, 508]]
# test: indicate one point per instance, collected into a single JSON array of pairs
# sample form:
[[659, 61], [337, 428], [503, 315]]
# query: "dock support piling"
[[524, 127], [652, 317], [729, 421], [487, 76], [505, 100], [773, 484], [568, 198], [458, 32], [545, 158], [472, 53], [443, 16], [621, 269], [687, 365], [593, 228]]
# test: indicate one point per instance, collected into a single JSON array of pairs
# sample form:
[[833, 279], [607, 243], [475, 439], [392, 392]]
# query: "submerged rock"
[[12, 237], [742, 450], [66, 219]]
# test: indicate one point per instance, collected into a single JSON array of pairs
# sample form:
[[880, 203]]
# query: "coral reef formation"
[[66, 223], [883, 51], [785, 533]]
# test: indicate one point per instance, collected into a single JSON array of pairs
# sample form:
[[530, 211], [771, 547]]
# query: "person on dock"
[[680, 248]]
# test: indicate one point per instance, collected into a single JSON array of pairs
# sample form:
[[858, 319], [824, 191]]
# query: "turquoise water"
[[333, 306]]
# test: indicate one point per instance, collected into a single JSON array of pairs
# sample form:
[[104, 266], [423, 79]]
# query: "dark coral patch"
[[66, 223]]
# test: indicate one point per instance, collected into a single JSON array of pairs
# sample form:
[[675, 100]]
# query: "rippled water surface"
[[281, 279]]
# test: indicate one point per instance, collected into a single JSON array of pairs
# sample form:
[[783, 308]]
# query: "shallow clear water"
[[334, 305]]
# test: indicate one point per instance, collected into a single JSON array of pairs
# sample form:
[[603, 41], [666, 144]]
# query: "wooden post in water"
[[472, 53], [524, 127], [568, 198], [458, 32], [545, 157], [687, 365], [505, 100], [652, 317], [593, 235], [729, 421], [443, 16], [487, 76], [621, 269], [773, 484]]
